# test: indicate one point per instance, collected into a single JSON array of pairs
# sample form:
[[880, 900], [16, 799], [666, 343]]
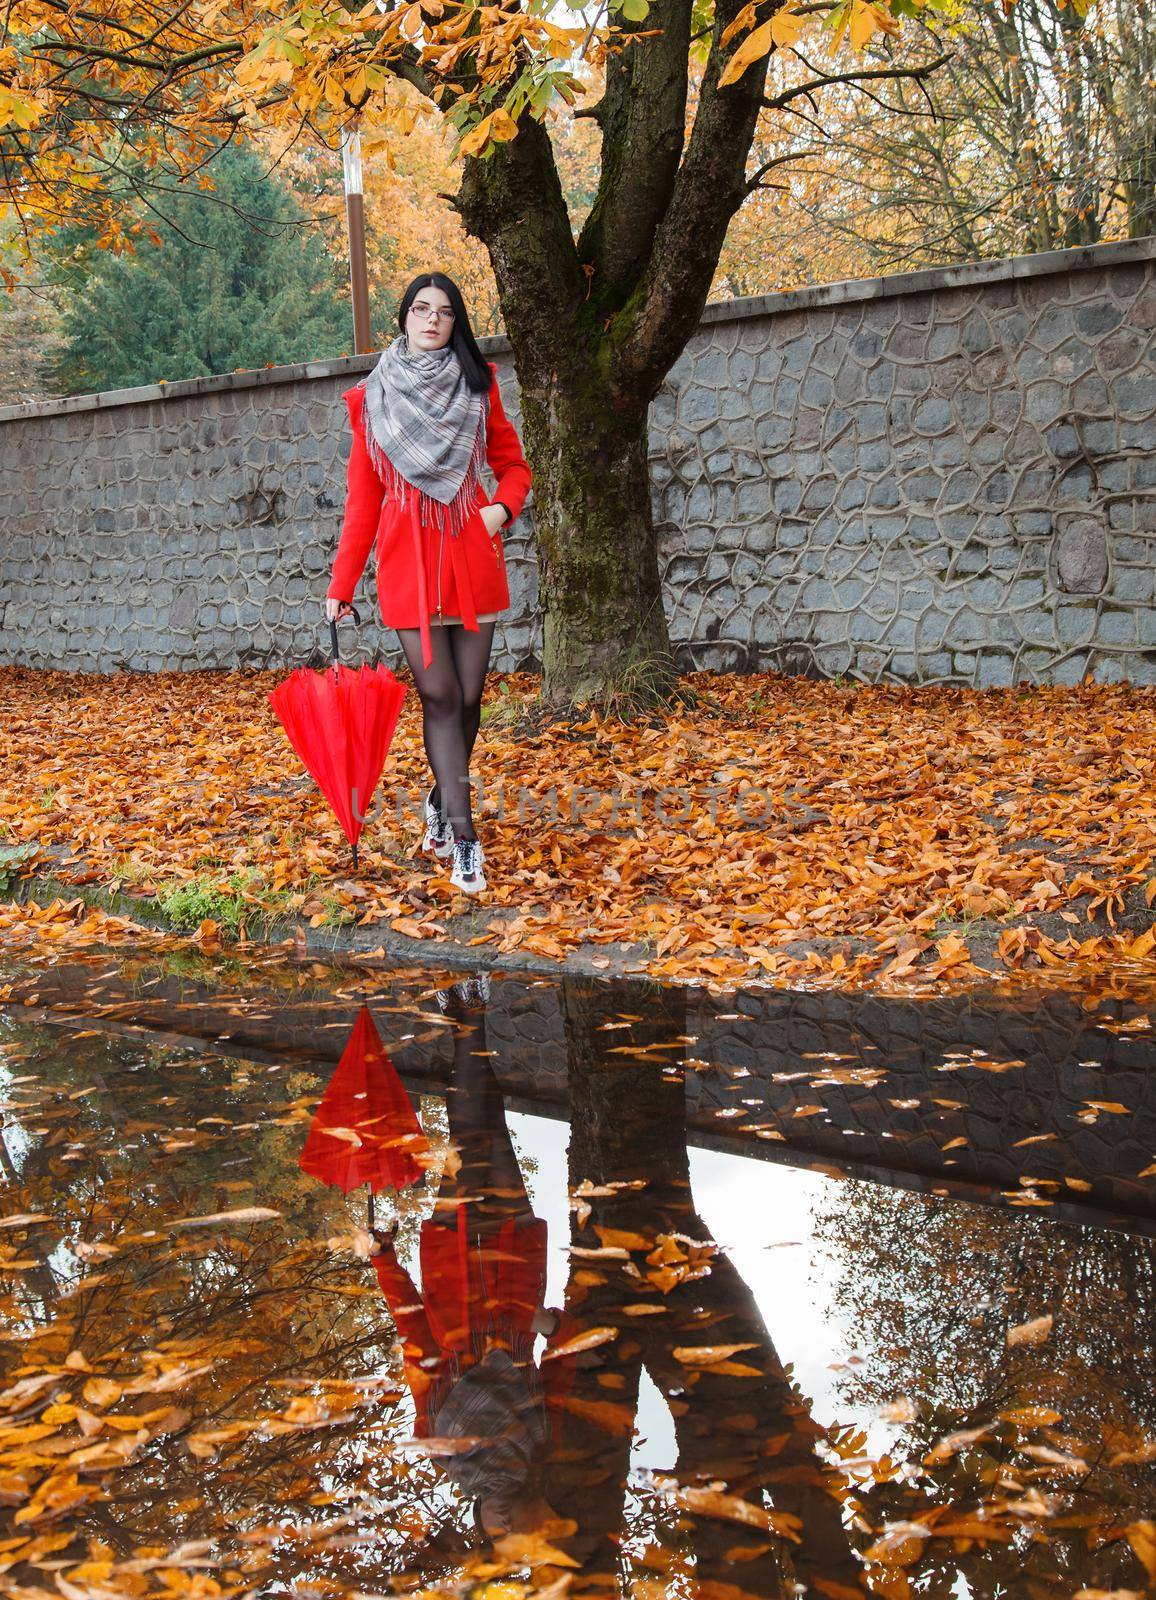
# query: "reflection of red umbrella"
[[365, 1131], [341, 722]]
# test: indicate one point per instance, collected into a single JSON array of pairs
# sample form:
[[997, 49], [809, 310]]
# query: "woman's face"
[[424, 329]]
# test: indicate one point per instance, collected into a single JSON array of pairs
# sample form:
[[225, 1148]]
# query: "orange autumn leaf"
[[1036, 1331], [589, 1339], [732, 1508], [707, 1355]]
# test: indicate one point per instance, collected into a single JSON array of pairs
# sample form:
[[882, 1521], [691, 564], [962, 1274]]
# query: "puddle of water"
[[604, 1337]]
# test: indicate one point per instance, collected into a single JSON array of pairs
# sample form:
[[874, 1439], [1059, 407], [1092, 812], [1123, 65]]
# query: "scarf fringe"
[[448, 517]]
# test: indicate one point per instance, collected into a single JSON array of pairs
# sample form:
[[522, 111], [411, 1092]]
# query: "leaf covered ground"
[[779, 829]]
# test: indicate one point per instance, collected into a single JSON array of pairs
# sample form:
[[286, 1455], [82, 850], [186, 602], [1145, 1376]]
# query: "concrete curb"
[[43, 888]]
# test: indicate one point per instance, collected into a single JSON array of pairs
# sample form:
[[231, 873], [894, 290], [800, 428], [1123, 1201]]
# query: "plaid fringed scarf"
[[426, 431]]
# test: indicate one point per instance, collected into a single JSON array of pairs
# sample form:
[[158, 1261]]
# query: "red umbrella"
[[365, 1131], [341, 722]]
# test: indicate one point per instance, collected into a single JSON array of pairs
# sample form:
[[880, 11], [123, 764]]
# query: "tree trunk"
[[604, 631], [596, 322]]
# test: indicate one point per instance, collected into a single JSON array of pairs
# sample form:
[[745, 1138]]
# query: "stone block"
[[1080, 555]]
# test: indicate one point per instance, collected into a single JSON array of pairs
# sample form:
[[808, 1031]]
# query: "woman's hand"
[[494, 518], [336, 609]]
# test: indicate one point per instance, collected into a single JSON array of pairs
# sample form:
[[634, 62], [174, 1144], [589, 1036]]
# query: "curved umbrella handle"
[[333, 630]]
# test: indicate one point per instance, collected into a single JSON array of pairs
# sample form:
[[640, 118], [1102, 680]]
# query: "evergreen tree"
[[30, 336], [237, 281]]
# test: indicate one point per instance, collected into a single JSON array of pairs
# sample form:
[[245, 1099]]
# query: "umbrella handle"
[[333, 630]]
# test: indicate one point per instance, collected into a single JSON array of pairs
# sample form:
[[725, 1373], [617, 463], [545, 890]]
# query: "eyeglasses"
[[422, 310]]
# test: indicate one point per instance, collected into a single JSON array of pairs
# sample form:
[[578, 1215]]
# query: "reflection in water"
[[468, 1333], [646, 1271], [198, 1353], [365, 1131]]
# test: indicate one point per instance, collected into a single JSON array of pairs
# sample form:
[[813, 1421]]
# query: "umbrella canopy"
[[341, 722], [365, 1131]]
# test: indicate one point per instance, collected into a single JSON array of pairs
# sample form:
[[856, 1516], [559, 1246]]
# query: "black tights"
[[450, 689]]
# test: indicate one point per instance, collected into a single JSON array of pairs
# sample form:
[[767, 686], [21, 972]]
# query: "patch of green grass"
[[962, 922], [335, 915], [129, 870], [228, 902], [187, 904], [506, 710]]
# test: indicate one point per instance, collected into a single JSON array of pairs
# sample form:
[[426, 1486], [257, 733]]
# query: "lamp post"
[[355, 221]]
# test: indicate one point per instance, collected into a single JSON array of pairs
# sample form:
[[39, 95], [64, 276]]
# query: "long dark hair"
[[475, 367]]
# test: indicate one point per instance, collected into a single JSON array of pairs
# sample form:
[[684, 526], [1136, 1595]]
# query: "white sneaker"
[[467, 872], [474, 991], [439, 835]]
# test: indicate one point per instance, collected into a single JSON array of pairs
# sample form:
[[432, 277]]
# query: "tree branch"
[[778, 161], [688, 241], [512, 201], [642, 115], [854, 78]]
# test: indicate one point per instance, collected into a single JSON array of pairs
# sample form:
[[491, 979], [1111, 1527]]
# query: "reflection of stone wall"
[[945, 475], [912, 1079], [916, 1078]]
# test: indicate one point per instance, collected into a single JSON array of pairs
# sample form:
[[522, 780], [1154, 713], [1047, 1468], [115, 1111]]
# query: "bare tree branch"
[[854, 78]]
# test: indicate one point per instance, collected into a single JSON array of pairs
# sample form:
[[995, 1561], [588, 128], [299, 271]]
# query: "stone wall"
[[937, 476]]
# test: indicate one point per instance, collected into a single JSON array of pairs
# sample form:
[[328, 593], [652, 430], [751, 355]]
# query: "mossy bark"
[[603, 625]]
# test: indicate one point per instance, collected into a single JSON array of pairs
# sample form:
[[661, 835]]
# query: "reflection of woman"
[[468, 1336], [424, 421]]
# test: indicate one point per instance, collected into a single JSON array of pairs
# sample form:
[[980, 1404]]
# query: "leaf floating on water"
[[436, 1446], [707, 1355], [1136, 1457], [1031, 1416], [731, 1508], [349, 1135], [214, 1218], [102, 1392], [623, 1239], [1055, 1458], [952, 1443], [899, 1545], [589, 1339], [1142, 1537], [752, 1552], [901, 1409], [1037, 1331], [532, 1550]]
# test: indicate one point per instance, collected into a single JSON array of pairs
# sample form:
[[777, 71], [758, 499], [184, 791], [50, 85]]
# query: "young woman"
[[424, 420]]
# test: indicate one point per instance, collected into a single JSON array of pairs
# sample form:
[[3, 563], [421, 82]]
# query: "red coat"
[[419, 568], [476, 1289]]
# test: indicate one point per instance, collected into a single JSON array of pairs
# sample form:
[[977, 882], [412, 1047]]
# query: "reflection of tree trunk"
[[751, 1431], [6, 1160]]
